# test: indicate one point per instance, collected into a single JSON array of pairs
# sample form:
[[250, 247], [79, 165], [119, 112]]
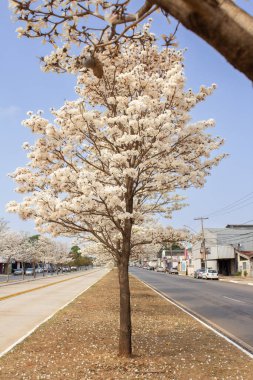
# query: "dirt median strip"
[[80, 342]]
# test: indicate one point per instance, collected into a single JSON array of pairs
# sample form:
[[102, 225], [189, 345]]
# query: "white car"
[[210, 274], [160, 269], [29, 272]]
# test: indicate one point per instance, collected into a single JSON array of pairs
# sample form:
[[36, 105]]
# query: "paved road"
[[25, 306], [227, 305]]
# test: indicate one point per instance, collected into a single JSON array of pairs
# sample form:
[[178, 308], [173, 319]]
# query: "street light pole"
[[201, 218]]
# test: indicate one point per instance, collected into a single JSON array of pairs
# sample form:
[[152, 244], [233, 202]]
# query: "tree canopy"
[[221, 23], [114, 159]]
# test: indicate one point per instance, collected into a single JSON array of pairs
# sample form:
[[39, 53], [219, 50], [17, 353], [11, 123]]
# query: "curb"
[[237, 282]]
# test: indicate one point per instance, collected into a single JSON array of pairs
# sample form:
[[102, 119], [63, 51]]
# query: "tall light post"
[[201, 218]]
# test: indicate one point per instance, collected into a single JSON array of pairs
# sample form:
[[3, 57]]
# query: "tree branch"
[[222, 24]]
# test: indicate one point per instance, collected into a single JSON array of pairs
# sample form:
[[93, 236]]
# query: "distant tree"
[[9, 248], [34, 238], [221, 23], [60, 254], [3, 225], [77, 258], [75, 250]]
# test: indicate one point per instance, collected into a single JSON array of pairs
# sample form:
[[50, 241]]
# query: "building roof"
[[243, 226], [248, 254], [240, 237]]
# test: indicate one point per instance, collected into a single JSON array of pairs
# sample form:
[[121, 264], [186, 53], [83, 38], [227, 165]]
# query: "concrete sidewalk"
[[20, 280], [24, 307], [237, 280], [12, 288]]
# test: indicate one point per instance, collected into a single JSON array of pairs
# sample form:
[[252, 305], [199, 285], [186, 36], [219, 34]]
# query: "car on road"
[[50, 269], [210, 274], [172, 271], [199, 273], [39, 270], [18, 272], [73, 268], [29, 271], [160, 269]]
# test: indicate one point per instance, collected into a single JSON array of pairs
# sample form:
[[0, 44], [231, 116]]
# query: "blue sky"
[[24, 87]]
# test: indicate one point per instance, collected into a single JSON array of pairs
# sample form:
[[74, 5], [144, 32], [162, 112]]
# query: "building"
[[229, 250], [176, 257]]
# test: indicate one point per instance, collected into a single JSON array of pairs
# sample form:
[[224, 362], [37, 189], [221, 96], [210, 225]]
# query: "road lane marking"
[[40, 287], [233, 299]]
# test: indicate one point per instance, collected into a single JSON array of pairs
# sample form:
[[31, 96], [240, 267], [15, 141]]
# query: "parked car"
[[18, 272], [160, 269], [66, 269], [39, 270], [73, 268], [210, 274], [199, 273], [172, 271], [50, 270], [29, 271], [150, 268]]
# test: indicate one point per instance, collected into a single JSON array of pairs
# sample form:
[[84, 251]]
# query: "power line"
[[234, 208], [236, 203], [248, 221]]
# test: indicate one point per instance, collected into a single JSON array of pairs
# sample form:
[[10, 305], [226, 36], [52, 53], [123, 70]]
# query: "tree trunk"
[[34, 272], [23, 271], [8, 269], [125, 334], [221, 23]]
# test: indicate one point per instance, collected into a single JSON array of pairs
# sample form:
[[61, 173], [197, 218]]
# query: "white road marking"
[[233, 299]]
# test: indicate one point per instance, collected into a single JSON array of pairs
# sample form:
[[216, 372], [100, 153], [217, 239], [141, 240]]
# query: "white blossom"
[[114, 158]]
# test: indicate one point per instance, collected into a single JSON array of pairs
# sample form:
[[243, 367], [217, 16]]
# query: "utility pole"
[[201, 218]]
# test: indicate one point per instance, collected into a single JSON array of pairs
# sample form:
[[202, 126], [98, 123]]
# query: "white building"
[[228, 250]]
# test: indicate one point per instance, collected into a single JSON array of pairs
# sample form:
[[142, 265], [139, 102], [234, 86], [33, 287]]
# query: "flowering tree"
[[59, 254], [3, 225], [222, 24], [9, 247], [44, 251], [115, 158]]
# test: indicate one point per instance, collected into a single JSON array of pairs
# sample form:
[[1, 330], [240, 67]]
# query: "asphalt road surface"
[[24, 306], [225, 305]]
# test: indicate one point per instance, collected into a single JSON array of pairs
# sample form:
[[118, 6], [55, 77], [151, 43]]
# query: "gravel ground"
[[80, 343]]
